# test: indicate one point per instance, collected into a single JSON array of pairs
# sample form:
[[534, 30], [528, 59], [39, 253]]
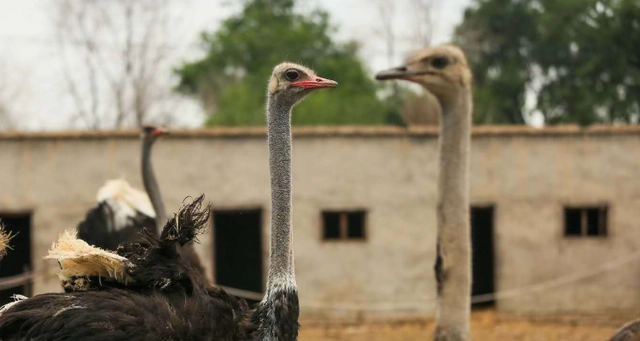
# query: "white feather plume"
[[125, 200]]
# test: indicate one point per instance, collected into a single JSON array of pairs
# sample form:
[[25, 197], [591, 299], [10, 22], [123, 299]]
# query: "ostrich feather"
[[125, 200], [79, 261], [5, 237]]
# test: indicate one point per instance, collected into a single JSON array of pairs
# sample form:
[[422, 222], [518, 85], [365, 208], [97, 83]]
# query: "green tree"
[[231, 78], [498, 36], [580, 54]]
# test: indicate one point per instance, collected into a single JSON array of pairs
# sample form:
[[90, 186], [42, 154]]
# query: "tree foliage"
[[232, 77], [578, 56]]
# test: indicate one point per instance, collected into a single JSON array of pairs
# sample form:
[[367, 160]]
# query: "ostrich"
[[122, 210], [192, 310], [277, 315], [629, 332], [443, 70]]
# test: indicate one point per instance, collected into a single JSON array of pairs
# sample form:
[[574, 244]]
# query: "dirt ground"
[[485, 326]]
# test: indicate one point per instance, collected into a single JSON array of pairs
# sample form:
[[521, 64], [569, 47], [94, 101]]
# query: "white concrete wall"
[[528, 177]]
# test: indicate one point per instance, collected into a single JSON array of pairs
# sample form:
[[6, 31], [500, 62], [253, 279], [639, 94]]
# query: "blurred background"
[[556, 149]]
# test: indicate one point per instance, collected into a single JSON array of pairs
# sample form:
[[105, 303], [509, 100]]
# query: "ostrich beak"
[[159, 131], [395, 73], [401, 72], [315, 83]]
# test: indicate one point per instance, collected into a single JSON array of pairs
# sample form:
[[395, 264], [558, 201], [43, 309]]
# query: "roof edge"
[[338, 131]]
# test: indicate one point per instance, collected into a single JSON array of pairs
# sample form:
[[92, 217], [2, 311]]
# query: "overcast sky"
[[30, 65]]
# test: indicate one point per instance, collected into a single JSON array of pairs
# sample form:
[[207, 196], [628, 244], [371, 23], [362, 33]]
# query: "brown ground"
[[485, 326]]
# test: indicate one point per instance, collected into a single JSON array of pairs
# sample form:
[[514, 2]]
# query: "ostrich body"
[[182, 307], [444, 71], [163, 299], [123, 211]]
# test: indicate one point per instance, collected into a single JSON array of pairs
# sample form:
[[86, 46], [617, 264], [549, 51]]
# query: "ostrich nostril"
[[402, 68], [319, 80]]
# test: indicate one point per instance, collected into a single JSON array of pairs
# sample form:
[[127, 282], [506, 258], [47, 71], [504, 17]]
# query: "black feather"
[[168, 300], [98, 228]]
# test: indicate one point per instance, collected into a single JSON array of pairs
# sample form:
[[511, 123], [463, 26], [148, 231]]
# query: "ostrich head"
[[153, 132], [291, 82], [442, 70]]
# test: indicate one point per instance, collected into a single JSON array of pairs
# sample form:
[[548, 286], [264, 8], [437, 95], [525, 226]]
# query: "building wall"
[[530, 180], [528, 177]]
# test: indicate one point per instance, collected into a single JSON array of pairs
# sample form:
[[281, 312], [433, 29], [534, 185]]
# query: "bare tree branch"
[[113, 55], [423, 21], [11, 91]]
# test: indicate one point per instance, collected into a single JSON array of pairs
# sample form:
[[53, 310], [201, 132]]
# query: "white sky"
[[31, 67]]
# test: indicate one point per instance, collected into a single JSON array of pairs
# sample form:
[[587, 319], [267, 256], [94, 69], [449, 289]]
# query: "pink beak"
[[316, 83]]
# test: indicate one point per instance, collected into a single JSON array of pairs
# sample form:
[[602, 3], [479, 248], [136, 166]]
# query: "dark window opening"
[[238, 249], [585, 221], [17, 261], [573, 221], [483, 254], [331, 225], [344, 225]]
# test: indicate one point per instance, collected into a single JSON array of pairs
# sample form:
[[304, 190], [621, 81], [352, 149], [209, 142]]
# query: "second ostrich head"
[[442, 70], [152, 132]]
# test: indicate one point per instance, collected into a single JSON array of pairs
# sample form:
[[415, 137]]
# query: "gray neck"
[[455, 145], [281, 270], [453, 268], [151, 184]]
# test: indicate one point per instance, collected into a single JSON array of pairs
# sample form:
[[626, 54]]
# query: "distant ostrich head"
[[153, 131], [442, 70], [291, 82]]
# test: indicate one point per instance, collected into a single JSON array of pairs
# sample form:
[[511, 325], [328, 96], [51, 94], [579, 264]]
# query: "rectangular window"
[[343, 225], [588, 221], [16, 265]]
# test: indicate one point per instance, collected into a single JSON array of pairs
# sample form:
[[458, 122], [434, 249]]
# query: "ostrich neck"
[[279, 310], [453, 265], [455, 143], [151, 185], [281, 270]]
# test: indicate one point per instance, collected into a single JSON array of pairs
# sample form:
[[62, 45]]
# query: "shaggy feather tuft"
[[158, 263], [190, 221], [5, 237], [80, 261]]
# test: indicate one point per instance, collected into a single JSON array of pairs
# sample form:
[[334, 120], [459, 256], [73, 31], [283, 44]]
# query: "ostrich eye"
[[292, 74], [439, 62]]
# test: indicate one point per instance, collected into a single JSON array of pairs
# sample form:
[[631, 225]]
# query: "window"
[[343, 225], [585, 221], [17, 263]]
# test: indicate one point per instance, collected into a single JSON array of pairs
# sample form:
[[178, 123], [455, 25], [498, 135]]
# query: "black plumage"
[[100, 228], [119, 314], [104, 225], [167, 299]]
